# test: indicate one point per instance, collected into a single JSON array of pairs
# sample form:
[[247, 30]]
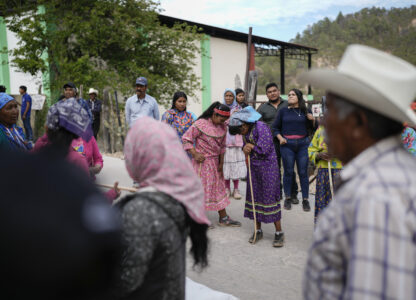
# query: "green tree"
[[106, 44]]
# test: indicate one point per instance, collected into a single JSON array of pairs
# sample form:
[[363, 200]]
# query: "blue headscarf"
[[70, 115], [4, 99], [246, 115], [234, 104]]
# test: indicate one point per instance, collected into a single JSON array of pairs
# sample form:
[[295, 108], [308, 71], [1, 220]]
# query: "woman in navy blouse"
[[291, 128]]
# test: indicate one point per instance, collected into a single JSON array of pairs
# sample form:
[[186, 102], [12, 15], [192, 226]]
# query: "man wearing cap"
[[95, 105], [70, 91], [141, 104], [365, 240]]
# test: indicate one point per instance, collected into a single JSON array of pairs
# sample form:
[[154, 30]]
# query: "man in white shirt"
[[141, 104], [365, 240]]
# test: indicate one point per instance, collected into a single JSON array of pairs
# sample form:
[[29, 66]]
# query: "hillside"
[[392, 30]]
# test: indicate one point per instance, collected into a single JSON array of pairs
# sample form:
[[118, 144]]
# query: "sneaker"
[[279, 240], [259, 236], [288, 204], [236, 194], [305, 204], [294, 199], [227, 221]]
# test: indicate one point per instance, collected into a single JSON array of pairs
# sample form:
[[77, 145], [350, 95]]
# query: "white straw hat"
[[373, 79], [93, 91]]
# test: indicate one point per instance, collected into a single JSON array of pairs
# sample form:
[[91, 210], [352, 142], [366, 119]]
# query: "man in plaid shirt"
[[365, 241]]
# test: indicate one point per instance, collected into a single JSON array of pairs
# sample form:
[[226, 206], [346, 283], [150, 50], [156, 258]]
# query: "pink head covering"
[[155, 157]]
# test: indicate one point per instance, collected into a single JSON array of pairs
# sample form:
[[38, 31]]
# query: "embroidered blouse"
[[181, 121]]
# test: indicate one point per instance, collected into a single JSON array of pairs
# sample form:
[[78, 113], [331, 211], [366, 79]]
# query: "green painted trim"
[[206, 71], [309, 97], [46, 78], [4, 57]]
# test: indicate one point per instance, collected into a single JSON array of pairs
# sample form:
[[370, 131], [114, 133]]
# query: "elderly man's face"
[[338, 132]]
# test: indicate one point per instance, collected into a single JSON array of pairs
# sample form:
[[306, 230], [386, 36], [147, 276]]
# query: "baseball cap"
[[141, 81], [70, 85]]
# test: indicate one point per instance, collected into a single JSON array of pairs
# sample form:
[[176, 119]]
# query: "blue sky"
[[277, 19]]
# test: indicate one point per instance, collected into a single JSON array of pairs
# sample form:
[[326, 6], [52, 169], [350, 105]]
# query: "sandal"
[[227, 221]]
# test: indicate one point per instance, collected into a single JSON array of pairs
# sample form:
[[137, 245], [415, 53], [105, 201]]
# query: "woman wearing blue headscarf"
[[11, 136], [234, 159]]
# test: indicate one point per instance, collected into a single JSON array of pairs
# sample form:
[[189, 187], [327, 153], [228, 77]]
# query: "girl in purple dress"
[[265, 177]]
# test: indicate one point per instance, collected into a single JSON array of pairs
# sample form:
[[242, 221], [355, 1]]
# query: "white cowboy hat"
[[373, 79], [93, 91]]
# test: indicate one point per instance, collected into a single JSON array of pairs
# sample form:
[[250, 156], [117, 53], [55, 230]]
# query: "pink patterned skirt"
[[214, 186]]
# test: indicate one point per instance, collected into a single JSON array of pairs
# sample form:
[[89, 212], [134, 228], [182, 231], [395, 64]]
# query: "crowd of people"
[[184, 165]]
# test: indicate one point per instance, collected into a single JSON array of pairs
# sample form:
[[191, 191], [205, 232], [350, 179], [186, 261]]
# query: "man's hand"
[[24, 117], [248, 148]]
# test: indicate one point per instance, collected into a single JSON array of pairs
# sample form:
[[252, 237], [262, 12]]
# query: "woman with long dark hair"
[[291, 128], [178, 117], [205, 141], [168, 207], [68, 122]]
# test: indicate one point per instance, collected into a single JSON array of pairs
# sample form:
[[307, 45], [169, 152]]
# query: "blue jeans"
[[28, 129], [295, 150]]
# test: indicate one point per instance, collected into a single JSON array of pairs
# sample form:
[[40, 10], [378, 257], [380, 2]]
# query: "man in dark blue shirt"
[[25, 112]]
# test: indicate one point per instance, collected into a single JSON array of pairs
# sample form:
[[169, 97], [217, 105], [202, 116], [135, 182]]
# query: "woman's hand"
[[95, 169], [324, 156], [282, 140], [310, 117], [248, 148], [199, 157], [116, 189]]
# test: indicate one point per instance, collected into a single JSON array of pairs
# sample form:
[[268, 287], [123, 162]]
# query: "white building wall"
[[18, 78], [228, 58], [195, 103]]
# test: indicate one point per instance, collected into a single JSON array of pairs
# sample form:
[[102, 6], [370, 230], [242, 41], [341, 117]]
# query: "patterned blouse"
[[318, 145], [181, 121], [409, 140]]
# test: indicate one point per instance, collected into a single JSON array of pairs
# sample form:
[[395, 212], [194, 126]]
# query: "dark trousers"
[[96, 127], [296, 150], [28, 129], [294, 189]]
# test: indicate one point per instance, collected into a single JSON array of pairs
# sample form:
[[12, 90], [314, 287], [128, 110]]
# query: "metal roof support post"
[[250, 31], [282, 70], [309, 67]]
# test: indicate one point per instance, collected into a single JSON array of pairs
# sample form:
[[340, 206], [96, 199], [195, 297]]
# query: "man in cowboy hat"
[[95, 106], [365, 241]]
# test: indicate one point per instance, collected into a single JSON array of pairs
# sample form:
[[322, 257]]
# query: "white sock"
[[278, 232]]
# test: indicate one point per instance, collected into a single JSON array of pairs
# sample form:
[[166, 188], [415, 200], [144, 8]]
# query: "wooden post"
[[250, 31], [118, 117], [106, 119]]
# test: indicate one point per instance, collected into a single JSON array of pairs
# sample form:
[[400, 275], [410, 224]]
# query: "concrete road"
[[249, 272]]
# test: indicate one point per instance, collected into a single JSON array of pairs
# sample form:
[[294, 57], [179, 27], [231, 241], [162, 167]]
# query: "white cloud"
[[244, 13]]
